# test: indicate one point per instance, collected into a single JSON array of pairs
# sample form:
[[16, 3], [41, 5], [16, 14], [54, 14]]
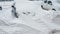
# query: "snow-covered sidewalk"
[[37, 22]]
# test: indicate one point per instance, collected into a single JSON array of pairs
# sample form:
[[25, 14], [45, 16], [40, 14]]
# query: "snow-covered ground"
[[39, 21]]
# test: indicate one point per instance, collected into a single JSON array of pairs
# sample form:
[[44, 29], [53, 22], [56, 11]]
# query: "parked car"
[[6, 4]]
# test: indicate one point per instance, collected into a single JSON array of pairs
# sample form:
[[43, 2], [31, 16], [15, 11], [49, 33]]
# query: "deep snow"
[[38, 22]]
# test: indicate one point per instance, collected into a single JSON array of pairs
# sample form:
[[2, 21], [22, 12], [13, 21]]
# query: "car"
[[4, 4]]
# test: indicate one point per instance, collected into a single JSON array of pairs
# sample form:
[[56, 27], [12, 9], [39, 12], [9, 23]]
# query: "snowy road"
[[33, 23]]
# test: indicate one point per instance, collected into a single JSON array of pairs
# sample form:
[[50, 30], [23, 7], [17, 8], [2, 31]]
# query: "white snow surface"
[[39, 21]]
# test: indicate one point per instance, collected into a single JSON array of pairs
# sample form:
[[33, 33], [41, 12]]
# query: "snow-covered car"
[[6, 3]]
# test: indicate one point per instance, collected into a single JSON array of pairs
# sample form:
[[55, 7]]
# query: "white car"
[[6, 3]]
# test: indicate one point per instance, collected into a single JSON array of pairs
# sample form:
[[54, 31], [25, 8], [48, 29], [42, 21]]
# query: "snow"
[[39, 21]]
